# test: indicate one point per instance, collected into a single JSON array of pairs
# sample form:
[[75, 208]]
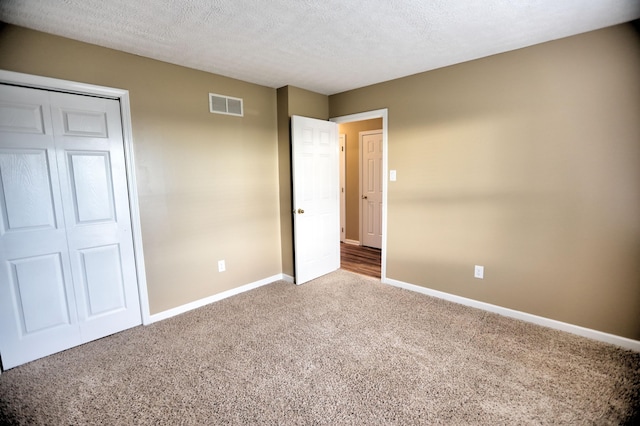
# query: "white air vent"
[[220, 104]]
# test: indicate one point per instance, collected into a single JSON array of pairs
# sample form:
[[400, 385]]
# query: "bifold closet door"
[[67, 265]]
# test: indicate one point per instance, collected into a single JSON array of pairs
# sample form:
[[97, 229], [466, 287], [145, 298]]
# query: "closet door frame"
[[39, 82]]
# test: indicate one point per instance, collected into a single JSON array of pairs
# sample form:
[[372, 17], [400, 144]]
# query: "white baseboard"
[[216, 297], [352, 242], [535, 319], [287, 278]]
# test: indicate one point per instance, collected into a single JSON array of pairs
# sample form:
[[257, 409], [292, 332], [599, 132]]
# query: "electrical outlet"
[[478, 272], [221, 266]]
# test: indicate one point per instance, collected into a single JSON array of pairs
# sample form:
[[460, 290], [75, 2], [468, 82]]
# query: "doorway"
[[351, 125]]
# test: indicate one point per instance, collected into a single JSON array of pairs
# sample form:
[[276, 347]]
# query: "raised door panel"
[[369, 201], [83, 123], [91, 187], [43, 314], [102, 280], [370, 219], [39, 293], [27, 201], [21, 117]]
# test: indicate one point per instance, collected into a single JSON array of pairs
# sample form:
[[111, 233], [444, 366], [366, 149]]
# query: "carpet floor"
[[342, 349]]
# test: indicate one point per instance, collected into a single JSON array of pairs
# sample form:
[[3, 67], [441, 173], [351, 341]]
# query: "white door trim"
[[47, 83], [383, 114]]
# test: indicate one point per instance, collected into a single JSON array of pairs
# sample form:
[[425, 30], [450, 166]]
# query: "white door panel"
[[82, 123], [22, 114], [315, 198], [27, 276], [40, 297], [66, 264], [38, 307], [91, 186], [102, 280], [27, 202]]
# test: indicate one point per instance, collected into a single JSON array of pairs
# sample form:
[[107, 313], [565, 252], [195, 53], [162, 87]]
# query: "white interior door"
[[316, 200], [67, 271], [371, 182]]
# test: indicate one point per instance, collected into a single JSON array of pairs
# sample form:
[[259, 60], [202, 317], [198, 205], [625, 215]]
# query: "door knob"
[[364, 197], [300, 211]]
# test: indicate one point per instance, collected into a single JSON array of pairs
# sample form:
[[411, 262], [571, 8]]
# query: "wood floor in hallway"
[[360, 259]]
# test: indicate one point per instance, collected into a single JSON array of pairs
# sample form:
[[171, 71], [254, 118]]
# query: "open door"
[[316, 197]]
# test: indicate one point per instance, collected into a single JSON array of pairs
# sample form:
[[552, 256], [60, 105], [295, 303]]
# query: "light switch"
[[392, 175]]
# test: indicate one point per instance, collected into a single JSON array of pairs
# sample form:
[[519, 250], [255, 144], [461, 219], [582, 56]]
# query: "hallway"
[[360, 259]]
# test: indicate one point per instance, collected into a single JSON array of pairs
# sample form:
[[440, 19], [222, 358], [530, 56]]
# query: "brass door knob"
[[300, 211], [364, 197]]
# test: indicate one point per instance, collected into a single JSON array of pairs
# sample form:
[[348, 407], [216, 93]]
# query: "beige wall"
[[352, 178], [527, 163], [208, 184], [292, 101], [308, 104]]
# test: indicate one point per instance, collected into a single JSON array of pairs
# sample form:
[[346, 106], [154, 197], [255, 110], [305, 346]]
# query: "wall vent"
[[220, 104]]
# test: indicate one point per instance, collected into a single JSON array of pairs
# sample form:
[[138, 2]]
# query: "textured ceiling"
[[327, 46]]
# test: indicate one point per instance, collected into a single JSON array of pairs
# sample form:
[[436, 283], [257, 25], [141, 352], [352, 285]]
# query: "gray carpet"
[[343, 349]]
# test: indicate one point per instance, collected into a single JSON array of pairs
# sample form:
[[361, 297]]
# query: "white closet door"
[[93, 183], [66, 254]]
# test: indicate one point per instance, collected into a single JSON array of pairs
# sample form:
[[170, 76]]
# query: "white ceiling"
[[327, 46]]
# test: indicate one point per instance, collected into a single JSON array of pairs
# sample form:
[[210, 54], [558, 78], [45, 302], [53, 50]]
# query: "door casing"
[[383, 114], [47, 83]]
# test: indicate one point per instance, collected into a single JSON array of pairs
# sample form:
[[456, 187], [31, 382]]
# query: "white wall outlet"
[[392, 175], [478, 272], [221, 266]]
